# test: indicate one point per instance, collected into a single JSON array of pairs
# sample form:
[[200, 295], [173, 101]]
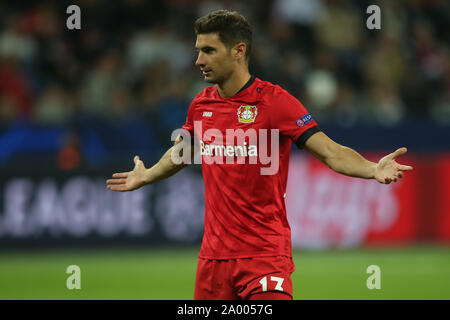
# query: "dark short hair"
[[231, 27]]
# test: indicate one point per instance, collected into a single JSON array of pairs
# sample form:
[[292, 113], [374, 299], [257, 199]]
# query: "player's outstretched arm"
[[347, 161], [141, 176]]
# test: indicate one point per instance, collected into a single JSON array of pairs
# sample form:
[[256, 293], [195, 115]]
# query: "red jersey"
[[245, 171]]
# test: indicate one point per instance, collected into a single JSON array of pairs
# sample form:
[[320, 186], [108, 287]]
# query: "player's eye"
[[208, 50]]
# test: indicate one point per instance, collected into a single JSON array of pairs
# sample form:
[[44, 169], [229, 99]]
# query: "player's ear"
[[239, 50]]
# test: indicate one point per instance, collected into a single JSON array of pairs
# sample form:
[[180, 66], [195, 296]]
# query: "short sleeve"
[[292, 118], [188, 127], [189, 124]]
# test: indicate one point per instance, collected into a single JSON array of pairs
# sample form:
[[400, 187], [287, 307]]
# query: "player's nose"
[[199, 62]]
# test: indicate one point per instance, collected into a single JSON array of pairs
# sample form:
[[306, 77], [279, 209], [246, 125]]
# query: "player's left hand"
[[388, 170]]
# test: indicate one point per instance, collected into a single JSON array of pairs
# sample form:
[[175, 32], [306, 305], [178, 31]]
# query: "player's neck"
[[230, 87]]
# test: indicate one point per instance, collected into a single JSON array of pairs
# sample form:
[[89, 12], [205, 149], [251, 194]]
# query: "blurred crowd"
[[131, 66]]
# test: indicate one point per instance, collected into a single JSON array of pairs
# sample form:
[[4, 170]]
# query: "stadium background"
[[77, 105]]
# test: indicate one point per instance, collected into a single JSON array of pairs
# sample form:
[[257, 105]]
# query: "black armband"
[[305, 136]]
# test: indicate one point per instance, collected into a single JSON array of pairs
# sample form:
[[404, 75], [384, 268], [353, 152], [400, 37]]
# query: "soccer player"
[[246, 246]]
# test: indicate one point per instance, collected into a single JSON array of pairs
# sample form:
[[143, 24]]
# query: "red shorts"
[[237, 279]]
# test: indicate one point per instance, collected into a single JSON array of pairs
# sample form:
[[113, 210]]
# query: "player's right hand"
[[128, 181]]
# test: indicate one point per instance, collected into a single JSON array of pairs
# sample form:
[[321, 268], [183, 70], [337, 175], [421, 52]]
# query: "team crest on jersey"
[[247, 114]]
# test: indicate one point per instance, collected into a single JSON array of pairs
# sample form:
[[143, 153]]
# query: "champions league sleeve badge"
[[247, 114], [307, 118]]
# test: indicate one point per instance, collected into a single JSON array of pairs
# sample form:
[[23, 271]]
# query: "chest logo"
[[247, 114]]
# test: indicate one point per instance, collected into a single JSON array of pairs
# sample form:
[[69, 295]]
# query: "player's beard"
[[219, 78]]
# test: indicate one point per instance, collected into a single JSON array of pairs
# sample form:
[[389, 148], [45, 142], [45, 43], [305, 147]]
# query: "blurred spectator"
[[321, 89], [427, 51], [173, 109], [348, 107], [69, 155], [15, 43], [14, 86], [122, 104], [53, 107], [340, 27], [300, 12], [101, 83], [301, 16], [158, 45], [387, 107], [384, 62], [441, 103], [8, 110]]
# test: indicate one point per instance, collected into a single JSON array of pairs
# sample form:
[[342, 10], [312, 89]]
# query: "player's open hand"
[[128, 181], [388, 170]]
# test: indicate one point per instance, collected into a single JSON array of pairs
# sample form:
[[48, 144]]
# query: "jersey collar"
[[247, 85]]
